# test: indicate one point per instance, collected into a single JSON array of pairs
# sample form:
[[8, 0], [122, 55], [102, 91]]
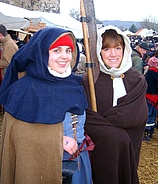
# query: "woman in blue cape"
[[41, 110]]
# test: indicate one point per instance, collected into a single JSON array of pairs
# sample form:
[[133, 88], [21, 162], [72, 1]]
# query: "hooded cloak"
[[39, 96], [116, 128]]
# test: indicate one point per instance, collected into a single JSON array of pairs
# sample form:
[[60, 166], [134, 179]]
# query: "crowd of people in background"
[[145, 60]]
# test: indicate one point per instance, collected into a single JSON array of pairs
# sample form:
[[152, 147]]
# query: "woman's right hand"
[[70, 145]]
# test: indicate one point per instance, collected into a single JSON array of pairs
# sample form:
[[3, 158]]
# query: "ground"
[[148, 165]]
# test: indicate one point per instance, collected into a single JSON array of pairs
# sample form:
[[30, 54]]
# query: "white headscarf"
[[62, 75], [126, 64]]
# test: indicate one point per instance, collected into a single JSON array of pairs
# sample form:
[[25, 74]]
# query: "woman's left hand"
[[70, 145]]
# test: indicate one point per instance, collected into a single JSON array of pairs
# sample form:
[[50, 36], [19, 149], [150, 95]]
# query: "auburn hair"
[[110, 38]]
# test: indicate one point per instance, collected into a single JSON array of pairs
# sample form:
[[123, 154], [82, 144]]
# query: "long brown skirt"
[[30, 153]]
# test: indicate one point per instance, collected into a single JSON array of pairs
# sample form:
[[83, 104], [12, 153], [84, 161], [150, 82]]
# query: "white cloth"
[[62, 75], [115, 73], [119, 89]]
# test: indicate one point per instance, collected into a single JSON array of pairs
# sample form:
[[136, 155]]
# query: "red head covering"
[[63, 41]]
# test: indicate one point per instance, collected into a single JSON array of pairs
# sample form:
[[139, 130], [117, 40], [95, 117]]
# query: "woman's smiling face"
[[112, 49], [112, 56], [60, 58]]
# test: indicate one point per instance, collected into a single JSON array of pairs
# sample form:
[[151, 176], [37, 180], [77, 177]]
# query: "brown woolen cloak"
[[30, 153], [117, 131]]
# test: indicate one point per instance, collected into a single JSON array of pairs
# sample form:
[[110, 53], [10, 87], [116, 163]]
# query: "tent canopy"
[[13, 22], [51, 19], [63, 21], [144, 32], [127, 32], [149, 33], [14, 11]]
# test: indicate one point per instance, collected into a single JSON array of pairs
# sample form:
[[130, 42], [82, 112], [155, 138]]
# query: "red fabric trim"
[[153, 100], [153, 69], [90, 146]]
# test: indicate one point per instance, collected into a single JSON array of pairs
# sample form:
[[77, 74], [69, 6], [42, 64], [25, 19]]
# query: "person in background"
[[9, 48], [0, 68], [137, 55], [147, 56], [1, 107], [44, 112], [81, 67], [156, 45], [17, 40], [151, 77], [117, 128]]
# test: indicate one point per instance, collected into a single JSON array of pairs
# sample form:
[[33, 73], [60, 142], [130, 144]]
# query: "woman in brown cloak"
[[118, 125]]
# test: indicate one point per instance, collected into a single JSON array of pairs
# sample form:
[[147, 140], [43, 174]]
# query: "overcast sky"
[[133, 10]]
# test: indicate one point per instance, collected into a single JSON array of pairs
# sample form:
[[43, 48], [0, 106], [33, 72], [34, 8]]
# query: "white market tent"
[[142, 32], [149, 33], [14, 11], [63, 21], [13, 22], [127, 32], [51, 19]]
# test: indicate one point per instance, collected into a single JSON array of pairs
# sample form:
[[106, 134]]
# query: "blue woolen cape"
[[40, 97]]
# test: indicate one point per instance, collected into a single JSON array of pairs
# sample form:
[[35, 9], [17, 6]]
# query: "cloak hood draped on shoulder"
[[126, 62], [40, 97], [116, 73]]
